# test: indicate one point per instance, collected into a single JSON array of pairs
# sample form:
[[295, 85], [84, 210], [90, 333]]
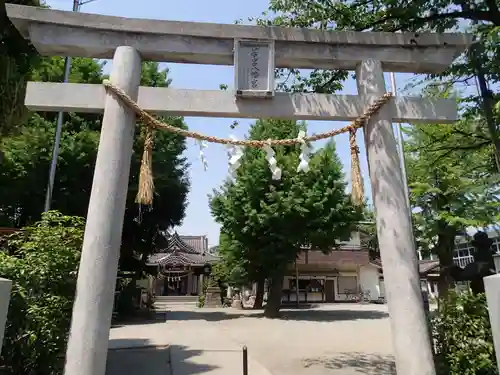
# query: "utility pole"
[[57, 141], [402, 161]]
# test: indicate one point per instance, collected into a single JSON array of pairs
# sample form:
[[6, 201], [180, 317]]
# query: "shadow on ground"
[[302, 306], [209, 316], [299, 315], [332, 315], [183, 363], [142, 319], [135, 357], [366, 364]]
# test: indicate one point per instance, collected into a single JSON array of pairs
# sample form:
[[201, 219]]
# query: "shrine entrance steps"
[[164, 303]]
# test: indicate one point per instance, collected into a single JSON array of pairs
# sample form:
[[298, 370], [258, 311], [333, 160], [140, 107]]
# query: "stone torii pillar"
[[64, 33], [93, 307], [394, 231]]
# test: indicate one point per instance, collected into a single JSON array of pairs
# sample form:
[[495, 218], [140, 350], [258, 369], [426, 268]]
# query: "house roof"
[[176, 250], [424, 266], [335, 259], [428, 266]]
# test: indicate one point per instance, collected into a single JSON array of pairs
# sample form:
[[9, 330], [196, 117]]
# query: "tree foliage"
[[27, 156], [42, 262], [452, 190], [480, 18], [269, 221], [232, 269], [17, 57]]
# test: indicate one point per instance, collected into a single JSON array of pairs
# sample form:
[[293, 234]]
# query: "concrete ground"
[[337, 339]]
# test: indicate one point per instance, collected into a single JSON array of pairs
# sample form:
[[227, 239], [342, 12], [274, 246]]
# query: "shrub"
[[128, 301], [201, 301], [462, 335], [42, 262]]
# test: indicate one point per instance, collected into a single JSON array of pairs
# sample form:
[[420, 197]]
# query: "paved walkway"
[[329, 340], [196, 347]]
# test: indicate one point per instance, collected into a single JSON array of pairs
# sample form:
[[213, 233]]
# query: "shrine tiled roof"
[[180, 259], [198, 243], [181, 251], [176, 243]]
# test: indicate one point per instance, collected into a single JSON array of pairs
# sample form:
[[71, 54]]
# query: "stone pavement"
[[196, 347], [327, 340]]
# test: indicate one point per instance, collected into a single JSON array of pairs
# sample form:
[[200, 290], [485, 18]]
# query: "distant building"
[[464, 251], [462, 256], [348, 272], [340, 275]]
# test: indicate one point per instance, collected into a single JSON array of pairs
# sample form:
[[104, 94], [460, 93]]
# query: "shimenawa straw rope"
[[146, 183]]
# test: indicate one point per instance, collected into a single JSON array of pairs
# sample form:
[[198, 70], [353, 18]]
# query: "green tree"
[[480, 18], [452, 190], [470, 142], [17, 57], [368, 232], [239, 267], [25, 168], [230, 259], [42, 262], [271, 220]]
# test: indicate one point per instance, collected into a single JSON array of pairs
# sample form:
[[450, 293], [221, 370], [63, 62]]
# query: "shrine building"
[[178, 263]]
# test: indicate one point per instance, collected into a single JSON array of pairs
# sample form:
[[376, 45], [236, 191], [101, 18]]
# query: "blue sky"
[[198, 219]]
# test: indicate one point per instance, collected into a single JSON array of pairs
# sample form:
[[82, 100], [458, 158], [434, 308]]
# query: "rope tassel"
[[146, 183], [358, 190]]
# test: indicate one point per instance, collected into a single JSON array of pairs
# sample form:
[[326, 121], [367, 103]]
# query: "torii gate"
[[128, 41]]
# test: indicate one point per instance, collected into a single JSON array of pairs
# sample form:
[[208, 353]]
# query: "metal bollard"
[[245, 360]]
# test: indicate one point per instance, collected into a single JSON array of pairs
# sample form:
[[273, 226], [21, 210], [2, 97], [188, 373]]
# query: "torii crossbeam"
[[217, 103], [128, 41]]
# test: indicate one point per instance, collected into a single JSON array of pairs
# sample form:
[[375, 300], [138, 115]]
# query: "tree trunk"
[[259, 295], [445, 281], [444, 249], [272, 308]]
